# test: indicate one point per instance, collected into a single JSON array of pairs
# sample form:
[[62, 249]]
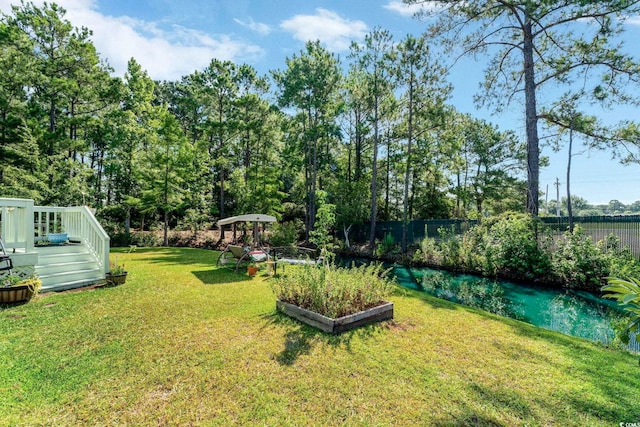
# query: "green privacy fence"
[[626, 227], [416, 230]]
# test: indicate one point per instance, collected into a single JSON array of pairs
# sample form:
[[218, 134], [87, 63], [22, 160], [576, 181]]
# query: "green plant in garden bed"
[[333, 291]]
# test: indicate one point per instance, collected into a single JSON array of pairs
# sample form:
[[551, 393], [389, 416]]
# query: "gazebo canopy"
[[246, 218]]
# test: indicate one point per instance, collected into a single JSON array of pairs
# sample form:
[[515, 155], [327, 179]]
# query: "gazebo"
[[244, 254]]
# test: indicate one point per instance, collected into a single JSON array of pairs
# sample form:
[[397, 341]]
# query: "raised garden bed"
[[341, 324]]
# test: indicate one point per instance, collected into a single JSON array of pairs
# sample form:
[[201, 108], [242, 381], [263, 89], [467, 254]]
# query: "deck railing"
[[79, 224], [16, 233], [22, 223]]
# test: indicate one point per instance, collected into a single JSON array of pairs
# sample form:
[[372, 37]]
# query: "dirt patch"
[[394, 325]]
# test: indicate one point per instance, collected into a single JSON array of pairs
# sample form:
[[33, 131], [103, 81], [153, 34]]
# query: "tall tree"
[[219, 82], [256, 182], [186, 101], [164, 170], [132, 131], [490, 165], [567, 43], [65, 92], [20, 168], [373, 59], [310, 85], [425, 91]]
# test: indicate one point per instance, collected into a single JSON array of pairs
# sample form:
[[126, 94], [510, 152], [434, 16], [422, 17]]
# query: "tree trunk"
[[346, 231], [165, 234], [222, 213], [387, 214], [407, 171], [359, 147], [533, 150], [374, 181], [569, 207]]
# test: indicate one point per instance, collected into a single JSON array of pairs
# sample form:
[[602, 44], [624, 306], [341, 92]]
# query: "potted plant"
[[117, 274], [334, 299], [16, 289], [252, 269], [58, 236]]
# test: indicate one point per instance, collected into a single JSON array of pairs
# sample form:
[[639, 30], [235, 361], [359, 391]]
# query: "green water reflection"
[[576, 313]]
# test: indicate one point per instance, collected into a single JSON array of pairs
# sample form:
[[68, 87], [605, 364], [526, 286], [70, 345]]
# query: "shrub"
[[120, 239], [430, 250], [621, 262], [578, 262], [285, 234], [449, 247], [334, 292], [193, 221], [145, 239], [473, 249], [516, 245], [386, 246]]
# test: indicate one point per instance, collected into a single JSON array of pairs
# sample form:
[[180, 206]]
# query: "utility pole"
[[557, 184], [546, 200]]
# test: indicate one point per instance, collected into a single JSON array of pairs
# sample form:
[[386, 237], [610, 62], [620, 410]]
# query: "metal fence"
[[416, 231], [625, 227]]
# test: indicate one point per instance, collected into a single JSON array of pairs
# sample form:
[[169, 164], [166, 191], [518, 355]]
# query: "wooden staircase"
[[66, 267]]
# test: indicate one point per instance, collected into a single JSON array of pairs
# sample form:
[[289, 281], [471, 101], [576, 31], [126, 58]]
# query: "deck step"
[[67, 267]]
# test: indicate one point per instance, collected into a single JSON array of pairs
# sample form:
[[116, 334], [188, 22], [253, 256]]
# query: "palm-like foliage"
[[627, 293]]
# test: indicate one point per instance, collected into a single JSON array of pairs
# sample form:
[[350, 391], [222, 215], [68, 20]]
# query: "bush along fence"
[[417, 229], [625, 227]]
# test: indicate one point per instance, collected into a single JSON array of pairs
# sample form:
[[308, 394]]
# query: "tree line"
[[374, 133]]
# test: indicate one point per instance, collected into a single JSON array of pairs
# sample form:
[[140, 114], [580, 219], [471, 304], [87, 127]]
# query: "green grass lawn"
[[184, 343]]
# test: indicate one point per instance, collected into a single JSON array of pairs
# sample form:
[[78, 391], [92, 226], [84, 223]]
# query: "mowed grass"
[[183, 343]]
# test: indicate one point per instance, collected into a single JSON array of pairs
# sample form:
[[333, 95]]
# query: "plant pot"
[[117, 279], [16, 294], [252, 270], [384, 311], [57, 237]]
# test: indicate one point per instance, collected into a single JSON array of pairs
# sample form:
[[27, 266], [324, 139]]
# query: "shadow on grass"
[[171, 255], [217, 276], [300, 338], [504, 401], [9, 305], [610, 377]]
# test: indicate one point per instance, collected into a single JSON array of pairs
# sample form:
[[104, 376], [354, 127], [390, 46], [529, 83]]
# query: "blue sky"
[[173, 38]]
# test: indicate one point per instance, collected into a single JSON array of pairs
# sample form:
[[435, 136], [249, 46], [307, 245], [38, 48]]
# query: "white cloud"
[[402, 8], [328, 27], [166, 54], [258, 27], [633, 20], [410, 10]]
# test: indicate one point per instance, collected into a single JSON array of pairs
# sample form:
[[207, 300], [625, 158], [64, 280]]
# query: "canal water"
[[575, 313]]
